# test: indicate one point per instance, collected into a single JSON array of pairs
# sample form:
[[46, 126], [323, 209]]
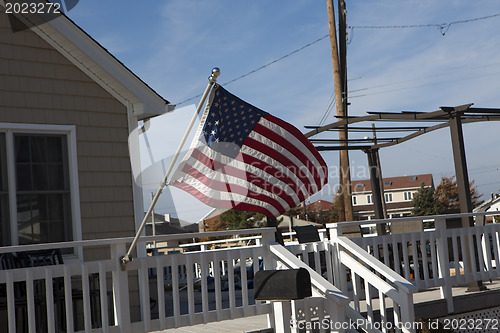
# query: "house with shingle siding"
[[67, 107]]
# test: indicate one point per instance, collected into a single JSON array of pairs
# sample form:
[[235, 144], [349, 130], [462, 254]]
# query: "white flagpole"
[[211, 80]]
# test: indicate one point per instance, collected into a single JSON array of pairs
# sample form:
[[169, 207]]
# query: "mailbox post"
[[281, 287]]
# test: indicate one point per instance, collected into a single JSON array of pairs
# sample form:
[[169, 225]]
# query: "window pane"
[[28, 219], [38, 149], [54, 149], [55, 177], [41, 218], [40, 181], [22, 149], [23, 177], [4, 197], [43, 198]]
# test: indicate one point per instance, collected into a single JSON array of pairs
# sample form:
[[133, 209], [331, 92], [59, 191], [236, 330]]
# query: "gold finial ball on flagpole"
[[215, 74]]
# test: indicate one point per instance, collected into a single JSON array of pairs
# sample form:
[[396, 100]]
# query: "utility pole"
[[340, 84]]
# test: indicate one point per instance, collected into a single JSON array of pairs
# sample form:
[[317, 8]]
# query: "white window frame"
[[388, 197], [369, 198], [10, 129], [354, 200]]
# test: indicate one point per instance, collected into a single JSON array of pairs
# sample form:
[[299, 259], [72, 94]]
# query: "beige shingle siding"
[[38, 85]]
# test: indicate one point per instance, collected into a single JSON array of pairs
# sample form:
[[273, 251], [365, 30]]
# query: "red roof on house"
[[394, 183], [319, 205]]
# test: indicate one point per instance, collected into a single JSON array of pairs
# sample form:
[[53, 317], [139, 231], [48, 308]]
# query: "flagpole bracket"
[[124, 261]]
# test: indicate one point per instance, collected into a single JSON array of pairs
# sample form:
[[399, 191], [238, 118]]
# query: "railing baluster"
[[103, 294], [395, 253], [11, 302], [217, 279], [145, 300], [329, 262], [230, 281], [416, 266], [305, 254], [474, 264], [444, 262], [205, 271], [456, 256], [396, 310], [434, 262], [190, 287], [68, 300], [49, 297], [87, 319], [317, 256], [383, 310], [256, 267], [496, 244], [244, 282], [369, 301], [406, 259], [480, 256], [425, 261], [487, 250], [175, 274], [356, 289], [385, 249], [30, 299]]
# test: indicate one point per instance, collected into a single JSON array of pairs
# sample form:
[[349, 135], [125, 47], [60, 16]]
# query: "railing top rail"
[[410, 218], [222, 241], [364, 256], [125, 240]]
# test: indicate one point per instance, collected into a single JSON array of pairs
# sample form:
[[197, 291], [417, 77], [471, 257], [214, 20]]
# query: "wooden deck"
[[252, 324]]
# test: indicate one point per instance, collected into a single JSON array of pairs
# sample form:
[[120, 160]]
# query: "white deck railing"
[[83, 296], [180, 289], [440, 257]]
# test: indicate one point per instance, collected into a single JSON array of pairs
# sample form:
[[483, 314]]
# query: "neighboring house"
[[398, 195], [319, 205], [67, 107], [490, 205], [164, 225]]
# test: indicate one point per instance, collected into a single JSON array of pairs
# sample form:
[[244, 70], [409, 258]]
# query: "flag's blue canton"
[[229, 122]]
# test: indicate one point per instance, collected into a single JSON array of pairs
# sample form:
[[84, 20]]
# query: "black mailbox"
[[282, 285]]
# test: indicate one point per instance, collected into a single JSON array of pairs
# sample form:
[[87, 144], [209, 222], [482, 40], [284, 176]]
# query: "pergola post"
[[462, 178], [376, 190]]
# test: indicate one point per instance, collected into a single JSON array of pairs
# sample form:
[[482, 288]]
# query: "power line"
[[425, 77], [425, 85], [444, 27], [328, 109], [264, 66]]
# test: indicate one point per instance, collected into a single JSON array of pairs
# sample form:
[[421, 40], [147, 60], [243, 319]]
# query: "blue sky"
[[173, 45]]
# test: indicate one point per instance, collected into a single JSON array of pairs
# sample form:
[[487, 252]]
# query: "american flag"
[[244, 158]]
